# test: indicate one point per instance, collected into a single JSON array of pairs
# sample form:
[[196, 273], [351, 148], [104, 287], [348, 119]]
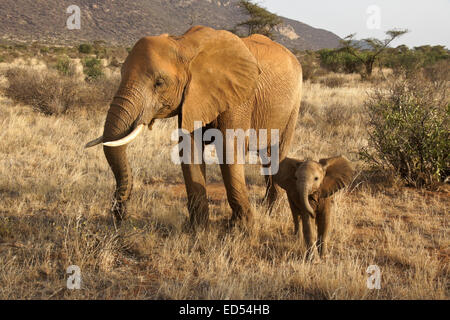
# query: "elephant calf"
[[309, 186]]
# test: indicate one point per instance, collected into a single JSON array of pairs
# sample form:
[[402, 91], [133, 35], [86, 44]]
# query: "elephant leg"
[[295, 214], [273, 193], [323, 221], [237, 193], [307, 234], [195, 180]]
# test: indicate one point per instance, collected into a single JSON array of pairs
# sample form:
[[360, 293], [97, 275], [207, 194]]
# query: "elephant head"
[[196, 76], [322, 178], [302, 179]]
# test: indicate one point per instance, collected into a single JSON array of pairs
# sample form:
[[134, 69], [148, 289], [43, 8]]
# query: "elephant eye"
[[159, 82]]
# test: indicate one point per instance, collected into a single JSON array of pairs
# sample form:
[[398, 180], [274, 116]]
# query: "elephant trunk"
[[122, 116], [304, 201]]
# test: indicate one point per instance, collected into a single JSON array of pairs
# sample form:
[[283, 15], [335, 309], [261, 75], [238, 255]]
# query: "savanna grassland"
[[55, 199]]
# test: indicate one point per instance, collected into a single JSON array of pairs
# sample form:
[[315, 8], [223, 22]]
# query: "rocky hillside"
[[123, 22]]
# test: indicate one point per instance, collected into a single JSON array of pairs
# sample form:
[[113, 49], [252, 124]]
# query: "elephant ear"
[[339, 173], [223, 74], [285, 176]]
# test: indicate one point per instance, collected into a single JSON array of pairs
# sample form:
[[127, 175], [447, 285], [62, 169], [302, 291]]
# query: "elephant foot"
[[270, 200], [119, 212], [322, 251], [199, 220], [310, 255], [269, 206], [244, 221], [191, 227], [198, 212]]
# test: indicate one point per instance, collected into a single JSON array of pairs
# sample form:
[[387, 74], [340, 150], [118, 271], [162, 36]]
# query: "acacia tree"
[[261, 21], [368, 57]]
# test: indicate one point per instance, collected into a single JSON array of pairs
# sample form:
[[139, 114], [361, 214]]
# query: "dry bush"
[[438, 72], [308, 108], [52, 93], [333, 81], [9, 56], [48, 92], [100, 92], [336, 115], [115, 62]]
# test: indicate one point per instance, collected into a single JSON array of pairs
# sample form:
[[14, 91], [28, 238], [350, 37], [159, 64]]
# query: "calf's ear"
[[338, 174]]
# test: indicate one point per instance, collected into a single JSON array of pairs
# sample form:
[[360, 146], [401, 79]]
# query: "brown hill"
[[123, 22]]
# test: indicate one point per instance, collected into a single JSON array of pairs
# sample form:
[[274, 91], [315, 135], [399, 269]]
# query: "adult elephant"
[[205, 75]]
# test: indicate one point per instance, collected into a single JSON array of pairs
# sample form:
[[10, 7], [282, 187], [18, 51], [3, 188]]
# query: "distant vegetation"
[[92, 68], [85, 48], [261, 21], [368, 57], [65, 66], [400, 59]]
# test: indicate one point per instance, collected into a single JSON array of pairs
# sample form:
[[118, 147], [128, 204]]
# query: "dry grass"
[[54, 201]]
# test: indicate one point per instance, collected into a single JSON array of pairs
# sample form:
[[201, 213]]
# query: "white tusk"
[[94, 142], [126, 139]]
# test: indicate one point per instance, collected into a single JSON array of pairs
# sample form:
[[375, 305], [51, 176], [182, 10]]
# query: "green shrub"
[[409, 132], [410, 61], [85, 48], [92, 68], [59, 50], [65, 66], [329, 60], [407, 61], [433, 54], [339, 61], [309, 62], [45, 50], [350, 63], [20, 46]]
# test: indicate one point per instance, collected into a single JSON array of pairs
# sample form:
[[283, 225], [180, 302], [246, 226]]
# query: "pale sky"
[[427, 20]]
